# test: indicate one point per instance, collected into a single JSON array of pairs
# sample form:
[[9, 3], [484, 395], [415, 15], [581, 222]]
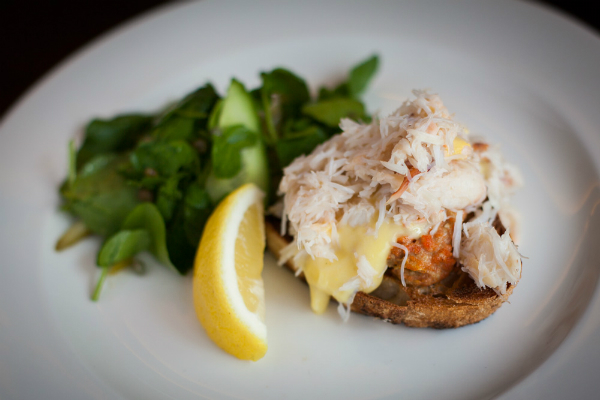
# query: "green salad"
[[149, 182]]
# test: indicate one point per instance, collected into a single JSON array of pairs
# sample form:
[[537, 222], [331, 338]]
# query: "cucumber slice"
[[254, 169], [238, 109]]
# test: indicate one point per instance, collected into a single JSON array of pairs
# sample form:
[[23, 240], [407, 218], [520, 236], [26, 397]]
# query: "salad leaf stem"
[[98, 289]]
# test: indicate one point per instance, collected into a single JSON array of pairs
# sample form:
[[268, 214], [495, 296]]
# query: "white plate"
[[525, 77]]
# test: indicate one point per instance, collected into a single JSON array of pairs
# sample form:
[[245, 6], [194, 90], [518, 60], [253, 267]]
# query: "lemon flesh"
[[228, 288]]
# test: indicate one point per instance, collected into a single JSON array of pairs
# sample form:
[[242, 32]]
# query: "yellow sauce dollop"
[[325, 277]]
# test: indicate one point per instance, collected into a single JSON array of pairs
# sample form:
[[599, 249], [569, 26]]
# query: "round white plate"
[[521, 75]]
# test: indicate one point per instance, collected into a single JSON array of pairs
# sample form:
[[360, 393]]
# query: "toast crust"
[[455, 302]]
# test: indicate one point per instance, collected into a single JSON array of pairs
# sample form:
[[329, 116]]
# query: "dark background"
[[35, 37]]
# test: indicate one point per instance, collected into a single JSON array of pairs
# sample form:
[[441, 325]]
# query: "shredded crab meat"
[[490, 259], [400, 246], [406, 167], [456, 235], [366, 272], [345, 308]]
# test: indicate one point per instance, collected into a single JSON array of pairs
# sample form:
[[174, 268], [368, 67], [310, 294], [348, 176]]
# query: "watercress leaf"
[[147, 182], [197, 207], [184, 120], [329, 112], [165, 158], [213, 119], [291, 89], [299, 143], [112, 135], [298, 127], [99, 163], [281, 97], [100, 195], [361, 74], [275, 174], [340, 90], [147, 217], [357, 82], [226, 150], [72, 163], [199, 103], [174, 127], [185, 230], [256, 94], [181, 252], [324, 93], [123, 245], [168, 196]]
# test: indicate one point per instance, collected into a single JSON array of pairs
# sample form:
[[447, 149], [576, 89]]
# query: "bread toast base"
[[455, 302]]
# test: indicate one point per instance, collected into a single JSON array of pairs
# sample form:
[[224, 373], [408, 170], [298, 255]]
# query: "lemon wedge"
[[228, 288]]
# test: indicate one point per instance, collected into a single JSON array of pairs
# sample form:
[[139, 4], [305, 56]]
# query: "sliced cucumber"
[[238, 109], [254, 169]]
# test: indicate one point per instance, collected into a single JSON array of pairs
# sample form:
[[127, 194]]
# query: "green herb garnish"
[[150, 182]]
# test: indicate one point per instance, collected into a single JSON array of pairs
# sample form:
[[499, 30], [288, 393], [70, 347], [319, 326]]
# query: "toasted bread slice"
[[454, 302]]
